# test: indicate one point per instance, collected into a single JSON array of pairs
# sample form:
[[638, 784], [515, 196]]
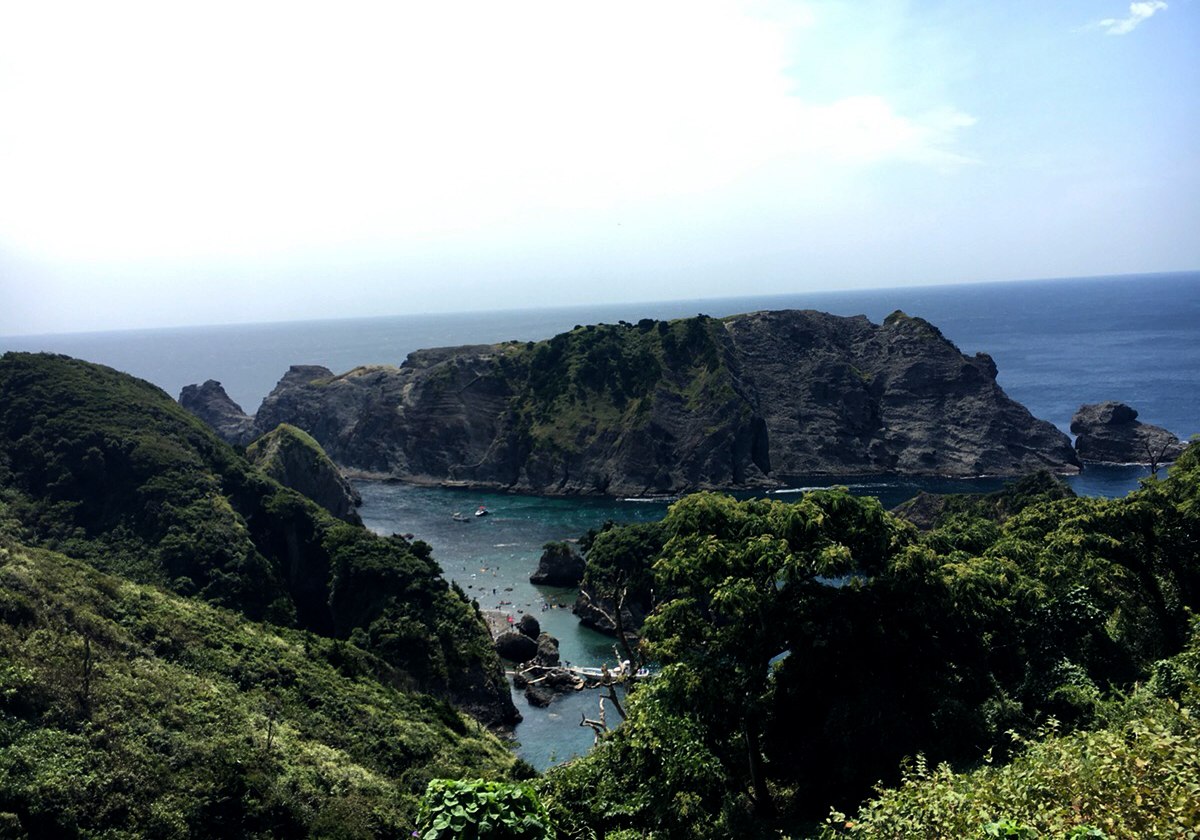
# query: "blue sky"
[[181, 163]]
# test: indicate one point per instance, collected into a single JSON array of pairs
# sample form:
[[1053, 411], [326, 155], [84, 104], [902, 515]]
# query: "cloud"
[[1138, 12], [144, 129]]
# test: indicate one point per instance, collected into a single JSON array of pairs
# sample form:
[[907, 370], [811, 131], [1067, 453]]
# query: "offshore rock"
[[515, 647], [211, 404], [1110, 433], [560, 565], [529, 626], [662, 407], [295, 460]]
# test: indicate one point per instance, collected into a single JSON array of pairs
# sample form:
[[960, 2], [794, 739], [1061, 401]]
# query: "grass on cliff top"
[[129, 712]]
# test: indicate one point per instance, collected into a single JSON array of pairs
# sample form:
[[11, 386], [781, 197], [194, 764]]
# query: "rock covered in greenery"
[[109, 469], [664, 407], [295, 460], [1110, 433], [211, 404], [935, 510], [559, 565]]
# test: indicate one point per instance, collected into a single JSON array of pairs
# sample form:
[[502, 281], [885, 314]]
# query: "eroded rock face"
[[295, 460], [1110, 433], [211, 404], [747, 401], [559, 565]]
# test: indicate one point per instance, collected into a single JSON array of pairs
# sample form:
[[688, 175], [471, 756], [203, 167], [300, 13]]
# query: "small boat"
[[482, 511], [598, 674], [458, 517]]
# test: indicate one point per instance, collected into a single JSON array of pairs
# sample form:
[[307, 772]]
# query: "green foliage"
[[482, 809], [128, 712], [953, 645], [656, 777], [109, 469], [1135, 778], [603, 379]]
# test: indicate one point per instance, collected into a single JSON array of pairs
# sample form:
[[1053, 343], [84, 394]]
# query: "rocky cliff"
[[1110, 433], [211, 404], [666, 407]]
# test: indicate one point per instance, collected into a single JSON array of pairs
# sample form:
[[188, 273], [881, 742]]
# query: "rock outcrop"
[[295, 460], [668, 407], [1110, 433], [559, 565], [211, 404], [515, 647], [599, 613]]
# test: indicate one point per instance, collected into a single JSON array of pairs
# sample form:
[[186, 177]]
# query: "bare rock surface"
[[211, 404], [1110, 433]]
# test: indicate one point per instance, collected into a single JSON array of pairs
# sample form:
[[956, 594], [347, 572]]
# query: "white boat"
[[598, 674]]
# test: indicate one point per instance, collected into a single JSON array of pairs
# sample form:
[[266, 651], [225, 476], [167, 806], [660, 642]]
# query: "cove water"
[[1057, 344]]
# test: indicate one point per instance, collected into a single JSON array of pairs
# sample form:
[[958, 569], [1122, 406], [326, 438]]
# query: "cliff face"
[[666, 407], [211, 404]]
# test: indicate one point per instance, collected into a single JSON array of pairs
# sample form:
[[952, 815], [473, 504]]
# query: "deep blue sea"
[[1057, 344]]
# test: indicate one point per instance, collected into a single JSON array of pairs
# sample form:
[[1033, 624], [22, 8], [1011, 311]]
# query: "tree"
[[742, 573]]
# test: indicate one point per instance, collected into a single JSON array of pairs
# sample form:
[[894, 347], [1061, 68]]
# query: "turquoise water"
[[492, 557]]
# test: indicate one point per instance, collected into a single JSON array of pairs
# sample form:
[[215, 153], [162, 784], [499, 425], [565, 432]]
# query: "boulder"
[[538, 696], [560, 565], [211, 404], [1110, 433], [515, 647], [547, 650], [529, 626]]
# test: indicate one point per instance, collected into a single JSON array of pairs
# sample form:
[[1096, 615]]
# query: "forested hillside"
[[107, 468], [810, 650]]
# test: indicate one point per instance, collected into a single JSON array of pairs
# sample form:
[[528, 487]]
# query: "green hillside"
[[126, 711], [107, 468]]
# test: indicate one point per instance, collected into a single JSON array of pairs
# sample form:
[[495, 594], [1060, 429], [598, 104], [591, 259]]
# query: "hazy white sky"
[[169, 163]]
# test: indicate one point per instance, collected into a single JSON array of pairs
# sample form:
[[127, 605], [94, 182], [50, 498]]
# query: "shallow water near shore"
[[492, 557]]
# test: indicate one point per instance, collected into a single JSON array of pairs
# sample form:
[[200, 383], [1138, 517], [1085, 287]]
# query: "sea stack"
[[1110, 433]]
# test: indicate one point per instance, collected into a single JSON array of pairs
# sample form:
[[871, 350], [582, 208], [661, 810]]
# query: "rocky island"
[[1110, 433], [664, 407]]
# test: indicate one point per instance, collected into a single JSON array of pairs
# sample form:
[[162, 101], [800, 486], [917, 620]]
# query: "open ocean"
[[1057, 344]]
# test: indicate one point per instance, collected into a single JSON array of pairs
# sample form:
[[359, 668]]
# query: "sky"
[[187, 163]]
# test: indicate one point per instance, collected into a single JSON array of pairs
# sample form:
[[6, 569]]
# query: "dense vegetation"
[[107, 468], [605, 376], [810, 650], [188, 648], [126, 711]]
